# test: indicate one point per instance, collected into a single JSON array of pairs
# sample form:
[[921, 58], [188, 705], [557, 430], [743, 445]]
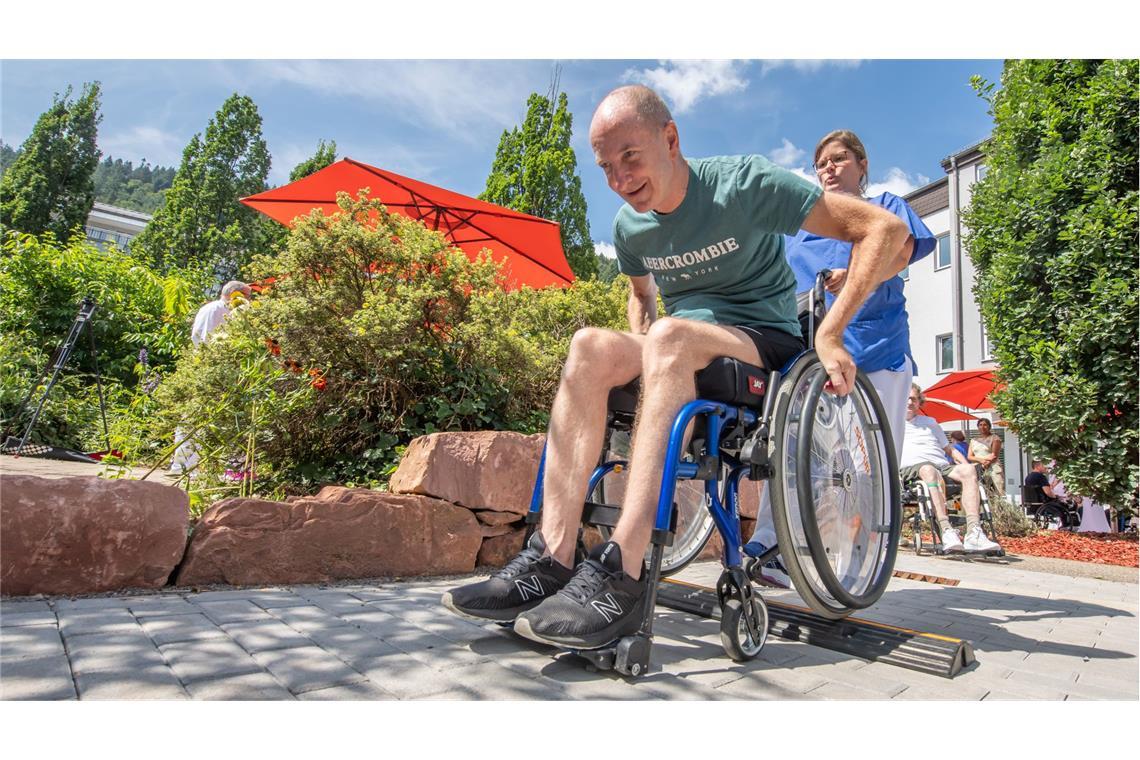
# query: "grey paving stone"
[[149, 683], [235, 611], [352, 692], [407, 677], [928, 693], [433, 651], [254, 686], [102, 621], [838, 690], [21, 619], [488, 680], [225, 595], [351, 644], [116, 651], [307, 668], [203, 660], [91, 603], [337, 602], [22, 606], [30, 642], [265, 635], [307, 618], [279, 599], [160, 606], [773, 683], [42, 678], [168, 629]]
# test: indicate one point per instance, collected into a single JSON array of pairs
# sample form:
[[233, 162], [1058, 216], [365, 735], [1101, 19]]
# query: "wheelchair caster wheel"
[[738, 643], [632, 656]]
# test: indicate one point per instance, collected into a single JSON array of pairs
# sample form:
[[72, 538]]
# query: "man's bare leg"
[[967, 475], [598, 361], [930, 475], [674, 351]]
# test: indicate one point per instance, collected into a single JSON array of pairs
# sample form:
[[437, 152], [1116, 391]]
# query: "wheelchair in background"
[[834, 484], [1050, 513], [917, 496]]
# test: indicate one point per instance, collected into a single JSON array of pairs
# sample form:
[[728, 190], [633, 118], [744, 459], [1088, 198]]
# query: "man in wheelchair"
[[709, 234], [923, 458]]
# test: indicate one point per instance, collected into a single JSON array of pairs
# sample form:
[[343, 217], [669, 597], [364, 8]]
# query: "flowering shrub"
[[375, 331]]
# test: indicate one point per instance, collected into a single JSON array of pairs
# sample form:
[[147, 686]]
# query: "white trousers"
[[893, 389]]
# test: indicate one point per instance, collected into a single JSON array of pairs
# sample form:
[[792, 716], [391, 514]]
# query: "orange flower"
[[273, 346], [293, 366], [319, 384]]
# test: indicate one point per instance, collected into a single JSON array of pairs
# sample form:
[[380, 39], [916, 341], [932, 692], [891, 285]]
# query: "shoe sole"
[[522, 628], [491, 616]]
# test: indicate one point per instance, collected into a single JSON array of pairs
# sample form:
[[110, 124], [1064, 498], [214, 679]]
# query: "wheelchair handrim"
[[881, 469]]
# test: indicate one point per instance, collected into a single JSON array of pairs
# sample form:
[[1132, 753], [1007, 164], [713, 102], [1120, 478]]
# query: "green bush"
[[374, 330], [41, 285], [1009, 520]]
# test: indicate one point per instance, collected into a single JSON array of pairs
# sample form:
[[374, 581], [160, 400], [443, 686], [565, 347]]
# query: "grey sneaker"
[[523, 583]]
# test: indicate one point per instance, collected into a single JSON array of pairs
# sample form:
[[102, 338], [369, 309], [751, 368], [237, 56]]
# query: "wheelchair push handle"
[[821, 284]]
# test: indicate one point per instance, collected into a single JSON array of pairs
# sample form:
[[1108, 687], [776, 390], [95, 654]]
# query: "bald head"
[[634, 101]]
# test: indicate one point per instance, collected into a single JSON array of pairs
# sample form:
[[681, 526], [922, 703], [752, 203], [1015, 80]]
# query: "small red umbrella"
[[530, 248], [943, 413], [970, 388]]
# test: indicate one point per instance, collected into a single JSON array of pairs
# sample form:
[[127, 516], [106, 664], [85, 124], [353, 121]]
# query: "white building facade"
[[946, 330], [108, 225]]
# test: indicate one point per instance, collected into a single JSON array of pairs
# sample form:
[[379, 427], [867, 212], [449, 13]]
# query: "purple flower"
[[142, 356]]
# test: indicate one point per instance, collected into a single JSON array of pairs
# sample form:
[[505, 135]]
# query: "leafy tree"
[[535, 171], [1053, 237], [140, 188], [201, 223], [50, 186], [325, 155], [7, 156], [607, 268]]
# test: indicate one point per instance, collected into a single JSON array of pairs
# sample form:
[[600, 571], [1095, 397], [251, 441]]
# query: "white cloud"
[[448, 95], [808, 65], [605, 249], [158, 147], [787, 155], [898, 182], [686, 83]]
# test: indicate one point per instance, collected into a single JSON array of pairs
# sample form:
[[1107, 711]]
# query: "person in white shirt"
[[924, 453], [208, 319]]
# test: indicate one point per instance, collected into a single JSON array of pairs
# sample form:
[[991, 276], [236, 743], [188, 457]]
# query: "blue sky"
[[440, 120]]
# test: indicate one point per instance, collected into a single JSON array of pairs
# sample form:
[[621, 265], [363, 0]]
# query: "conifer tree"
[[535, 171], [50, 186], [201, 224]]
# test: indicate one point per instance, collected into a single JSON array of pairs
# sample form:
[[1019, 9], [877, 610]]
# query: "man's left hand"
[[837, 362]]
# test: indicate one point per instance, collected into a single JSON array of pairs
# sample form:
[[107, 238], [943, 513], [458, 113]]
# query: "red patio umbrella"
[[529, 247], [970, 388], [943, 413]]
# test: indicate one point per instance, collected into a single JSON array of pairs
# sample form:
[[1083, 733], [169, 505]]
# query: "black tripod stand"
[[55, 365]]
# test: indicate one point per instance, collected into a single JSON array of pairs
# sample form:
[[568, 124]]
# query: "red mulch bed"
[[1101, 548]]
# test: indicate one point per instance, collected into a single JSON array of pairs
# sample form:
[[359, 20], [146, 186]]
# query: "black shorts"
[[775, 347]]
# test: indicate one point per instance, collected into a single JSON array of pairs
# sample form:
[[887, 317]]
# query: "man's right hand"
[[838, 363]]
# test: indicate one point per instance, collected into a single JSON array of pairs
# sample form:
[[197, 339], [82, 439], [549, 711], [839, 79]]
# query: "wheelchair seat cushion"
[[727, 380]]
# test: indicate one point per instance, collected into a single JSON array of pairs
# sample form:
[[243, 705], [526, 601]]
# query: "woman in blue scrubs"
[[878, 337]]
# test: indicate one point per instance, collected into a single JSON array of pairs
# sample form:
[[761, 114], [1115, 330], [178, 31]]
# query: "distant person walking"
[[208, 319]]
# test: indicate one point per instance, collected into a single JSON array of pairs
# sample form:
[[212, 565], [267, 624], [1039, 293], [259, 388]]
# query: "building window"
[[987, 346], [942, 254], [982, 169], [944, 353]]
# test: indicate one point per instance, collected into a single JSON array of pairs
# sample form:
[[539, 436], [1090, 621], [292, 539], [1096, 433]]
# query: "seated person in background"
[[958, 441], [1038, 486], [923, 455]]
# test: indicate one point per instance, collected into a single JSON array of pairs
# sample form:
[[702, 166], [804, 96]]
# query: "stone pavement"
[[1036, 636]]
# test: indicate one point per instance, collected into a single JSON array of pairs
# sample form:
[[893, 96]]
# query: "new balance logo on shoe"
[[530, 588], [608, 607]]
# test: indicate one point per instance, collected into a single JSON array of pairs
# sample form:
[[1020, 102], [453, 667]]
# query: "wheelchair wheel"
[[835, 490], [694, 524], [1051, 517], [734, 636]]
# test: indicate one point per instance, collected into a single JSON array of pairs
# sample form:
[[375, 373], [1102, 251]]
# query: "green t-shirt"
[[719, 256]]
